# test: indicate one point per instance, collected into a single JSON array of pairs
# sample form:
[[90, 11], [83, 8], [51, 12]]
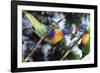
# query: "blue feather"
[[52, 33]]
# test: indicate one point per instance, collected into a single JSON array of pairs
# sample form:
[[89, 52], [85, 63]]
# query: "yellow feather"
[[85, 39]]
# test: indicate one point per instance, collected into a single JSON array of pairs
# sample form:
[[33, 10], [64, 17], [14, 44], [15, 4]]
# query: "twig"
[[41, 39], [68, 51]]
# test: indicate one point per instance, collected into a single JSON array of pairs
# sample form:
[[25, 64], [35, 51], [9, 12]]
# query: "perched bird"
[[57, 34], [85, 43]]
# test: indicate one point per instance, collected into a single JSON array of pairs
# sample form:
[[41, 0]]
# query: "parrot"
[[85, 42], [58, 33], [40, 29]]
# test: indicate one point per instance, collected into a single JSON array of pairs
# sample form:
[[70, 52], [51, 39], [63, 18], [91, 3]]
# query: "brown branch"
[[68, 51], [41, 39]]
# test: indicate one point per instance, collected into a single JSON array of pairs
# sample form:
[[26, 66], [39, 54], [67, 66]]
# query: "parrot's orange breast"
[[57, 36], [85, 39]]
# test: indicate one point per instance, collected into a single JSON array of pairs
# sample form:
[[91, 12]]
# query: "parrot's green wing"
[[86, 49], [40, 28]]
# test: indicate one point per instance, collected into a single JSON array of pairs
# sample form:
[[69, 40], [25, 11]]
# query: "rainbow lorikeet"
[[85, 44], [57, 34]]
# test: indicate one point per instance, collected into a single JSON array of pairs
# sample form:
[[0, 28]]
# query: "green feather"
[[40, 29]]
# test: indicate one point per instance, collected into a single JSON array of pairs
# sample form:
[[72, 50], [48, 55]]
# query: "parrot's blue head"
[[51, 33], [83, 28]]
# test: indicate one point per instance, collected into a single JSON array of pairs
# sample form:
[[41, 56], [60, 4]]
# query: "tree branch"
[[68, 51]]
